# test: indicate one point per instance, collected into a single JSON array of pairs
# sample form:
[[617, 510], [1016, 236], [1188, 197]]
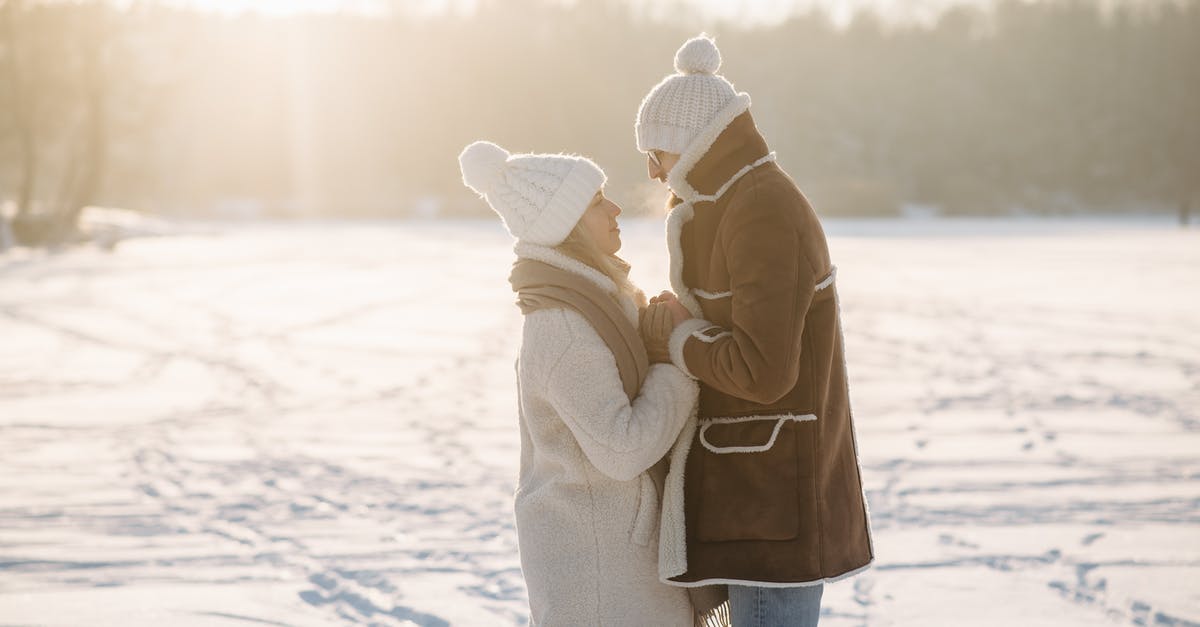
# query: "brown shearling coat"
[[772, 490]]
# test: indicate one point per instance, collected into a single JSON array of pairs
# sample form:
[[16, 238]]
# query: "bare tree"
[[21, 101], [62, 67]]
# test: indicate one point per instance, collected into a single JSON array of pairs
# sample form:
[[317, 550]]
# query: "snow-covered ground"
[[315, 425]]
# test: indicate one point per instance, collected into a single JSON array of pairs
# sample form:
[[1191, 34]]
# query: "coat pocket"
[[641, 529], [649, 503], [751, 477]]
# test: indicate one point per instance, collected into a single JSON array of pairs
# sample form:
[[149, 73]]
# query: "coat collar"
[[550, 256], [705, 171], [680, 215], [720, 154]]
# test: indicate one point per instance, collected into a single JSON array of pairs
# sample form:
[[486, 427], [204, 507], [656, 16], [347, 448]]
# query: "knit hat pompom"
[[539, 197], [482, 166], [683, 104], [698, 55]]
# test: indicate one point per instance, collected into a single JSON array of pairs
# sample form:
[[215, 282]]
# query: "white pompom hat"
[[688, 104], [540, 198]]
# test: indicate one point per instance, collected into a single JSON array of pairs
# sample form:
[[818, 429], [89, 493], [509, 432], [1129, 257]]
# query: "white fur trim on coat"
[[679, 216], [769, 584], [672, 542], [768, 158], [672, 532], [680, 336], [705, 337], [710, 295], [677, 178], [725, 450], [827, 281]]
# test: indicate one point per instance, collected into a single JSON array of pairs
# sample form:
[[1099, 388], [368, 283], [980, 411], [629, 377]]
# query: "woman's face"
[[600, 223]]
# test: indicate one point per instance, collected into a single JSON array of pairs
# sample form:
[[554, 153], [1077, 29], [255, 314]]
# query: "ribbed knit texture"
[[540, 197], [679, 107]]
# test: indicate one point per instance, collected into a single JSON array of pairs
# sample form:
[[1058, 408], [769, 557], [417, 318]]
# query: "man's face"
[[659, 164]]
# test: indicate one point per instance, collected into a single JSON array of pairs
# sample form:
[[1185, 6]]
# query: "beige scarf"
[[542, 286]]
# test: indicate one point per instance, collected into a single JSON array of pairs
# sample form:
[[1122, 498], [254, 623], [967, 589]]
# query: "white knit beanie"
[[540, 198], [683, 105]]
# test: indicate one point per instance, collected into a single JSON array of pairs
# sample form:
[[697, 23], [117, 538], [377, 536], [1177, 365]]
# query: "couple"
[[690, 460]]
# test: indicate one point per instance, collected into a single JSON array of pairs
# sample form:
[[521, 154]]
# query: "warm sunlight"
[[312, 313], [743, 11], [278, 7]]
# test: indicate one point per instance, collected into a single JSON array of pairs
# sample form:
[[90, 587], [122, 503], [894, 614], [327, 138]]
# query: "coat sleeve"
[[621, 438], [772, 285]]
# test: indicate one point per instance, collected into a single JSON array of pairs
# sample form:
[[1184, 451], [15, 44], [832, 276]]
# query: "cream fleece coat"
[[587, 510]]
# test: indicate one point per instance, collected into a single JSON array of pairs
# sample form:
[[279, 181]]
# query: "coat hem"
[[768, 584]]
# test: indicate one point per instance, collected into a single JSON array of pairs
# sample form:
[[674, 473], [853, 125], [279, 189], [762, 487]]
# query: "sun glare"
[[746, 11], [273, 7]]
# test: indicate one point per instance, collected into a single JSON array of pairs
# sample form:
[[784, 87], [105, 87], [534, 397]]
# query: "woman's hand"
[[656, 324], [679, 313], [664, 295]]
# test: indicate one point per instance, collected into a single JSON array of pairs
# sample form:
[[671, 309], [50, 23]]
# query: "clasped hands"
[[656, 322]]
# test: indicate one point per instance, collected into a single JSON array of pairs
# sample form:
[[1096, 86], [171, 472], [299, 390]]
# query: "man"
[[773, 503]]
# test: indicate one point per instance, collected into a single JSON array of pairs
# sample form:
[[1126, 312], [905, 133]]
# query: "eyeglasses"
[[654, 158]]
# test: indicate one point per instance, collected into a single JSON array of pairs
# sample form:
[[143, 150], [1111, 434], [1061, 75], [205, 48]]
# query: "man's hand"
[[679, 313], [656, 325]]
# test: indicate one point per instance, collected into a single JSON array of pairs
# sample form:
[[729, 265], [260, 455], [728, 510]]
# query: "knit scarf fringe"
[[716, 617]]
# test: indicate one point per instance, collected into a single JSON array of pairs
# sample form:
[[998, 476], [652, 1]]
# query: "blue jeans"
[[775, 607]]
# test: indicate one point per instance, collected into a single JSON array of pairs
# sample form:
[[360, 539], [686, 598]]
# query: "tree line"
[[1047, 107]]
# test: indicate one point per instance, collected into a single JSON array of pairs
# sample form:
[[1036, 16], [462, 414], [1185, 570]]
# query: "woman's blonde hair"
[[579, 245]]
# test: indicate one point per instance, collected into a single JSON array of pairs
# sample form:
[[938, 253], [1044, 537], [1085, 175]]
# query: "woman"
[[597, 414]]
